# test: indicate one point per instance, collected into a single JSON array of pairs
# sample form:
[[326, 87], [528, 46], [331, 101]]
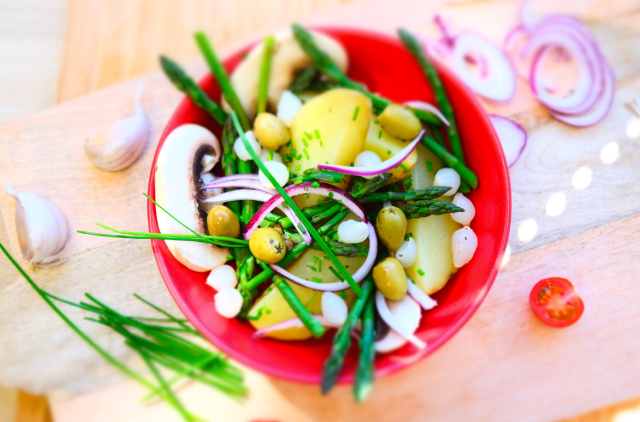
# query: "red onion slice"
[[512, 136], [386, 165], [529, 21], [423, 299], [500, 82], [394, 324], [358, 276], [514, 43], [240, 195], [239, 183], [290, 323], [421, 105], [447, 39], [600, 109]]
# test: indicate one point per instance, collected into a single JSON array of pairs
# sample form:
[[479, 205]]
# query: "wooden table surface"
[[59, 50]]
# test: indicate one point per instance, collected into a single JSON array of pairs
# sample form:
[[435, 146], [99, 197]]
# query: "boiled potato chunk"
[[330, 128], [434, 264], [386, 146], [275, 309]]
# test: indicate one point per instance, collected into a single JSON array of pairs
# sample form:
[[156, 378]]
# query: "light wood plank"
[[32, 408]]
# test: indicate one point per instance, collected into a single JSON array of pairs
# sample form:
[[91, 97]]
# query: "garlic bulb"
[[40, 226], [118, 147]]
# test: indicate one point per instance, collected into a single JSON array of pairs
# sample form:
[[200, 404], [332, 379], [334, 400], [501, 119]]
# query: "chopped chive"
[[308, 135], [306, 195], [312, 268], [429, 166], [301, 227], [343, 294], [317, 133], [320, 202], [316, 280], [319, 265], [403, 167], [355, 113], [388, 152], [408, 235], [270, 156], [315, 184], [229, 257], [333, 270], [314, 259], [299, 157], [351, 165], [321, 144], [379, 134], [306, 154], [288, 144], [304, 141], [298, 182], [298, 167], [330, 194], [421, 272]]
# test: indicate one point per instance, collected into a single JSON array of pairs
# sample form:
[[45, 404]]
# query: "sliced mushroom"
[[180, 191], [407, 312], [288, 58]]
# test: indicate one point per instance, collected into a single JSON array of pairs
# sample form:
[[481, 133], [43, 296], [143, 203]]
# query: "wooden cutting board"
[[503, 365]]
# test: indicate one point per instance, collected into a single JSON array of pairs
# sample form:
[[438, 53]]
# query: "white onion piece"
[[512, 136], [241, 150], [423, 299], [208, 162], [366, 159], [334, 309], [358, 276], [228, 302], [288, 107], [407, 253], [223, 277], [447, 177], [402, 325], [421, 105], [500, 81], [463, 243], [290, 323], [264, 156], [293, 190], [351, 231], [239, 195], [374, 170], [465, 217], [279, 172]]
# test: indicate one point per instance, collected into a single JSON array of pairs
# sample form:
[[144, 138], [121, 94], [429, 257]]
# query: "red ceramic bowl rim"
[[392, 367]]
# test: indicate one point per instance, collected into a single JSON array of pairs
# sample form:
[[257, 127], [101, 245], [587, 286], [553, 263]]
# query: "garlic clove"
[[121, 145], [41, 228]]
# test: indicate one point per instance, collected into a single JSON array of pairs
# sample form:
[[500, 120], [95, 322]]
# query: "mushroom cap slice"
[[179, 190], [288, 58]]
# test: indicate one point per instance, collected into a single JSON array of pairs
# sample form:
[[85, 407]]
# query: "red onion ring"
[[421, 105], [447, 39], [290, 323], [394, 324], [423, 299], [512, 136], [386, 165], [223, 182], [514, 42], [239, 195], [358, 276], [500, 82]]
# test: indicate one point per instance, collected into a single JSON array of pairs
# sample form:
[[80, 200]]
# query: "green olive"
[[221, 221], [390, 279], [391, 225], [399, 121], [270, 131], [267, 245]]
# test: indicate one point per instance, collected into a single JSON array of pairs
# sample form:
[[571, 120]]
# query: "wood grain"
[[122, 39]]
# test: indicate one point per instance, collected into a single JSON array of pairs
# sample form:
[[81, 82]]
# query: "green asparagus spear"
[[265, 71], [303, 79], [412, 195], [316, 175], [323, 62], [451, 161], [220, 74], [432, 207], [362, 186], [298, 308], [342, 339], [184, 83], [338, 248], [417, 51], [365, 371], [229, 158]]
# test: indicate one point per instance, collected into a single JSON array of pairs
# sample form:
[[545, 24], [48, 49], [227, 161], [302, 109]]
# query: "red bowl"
[[384, 66]]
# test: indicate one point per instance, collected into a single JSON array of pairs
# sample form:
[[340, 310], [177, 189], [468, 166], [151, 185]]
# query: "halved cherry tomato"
[[555, 302]]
